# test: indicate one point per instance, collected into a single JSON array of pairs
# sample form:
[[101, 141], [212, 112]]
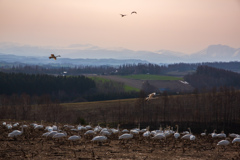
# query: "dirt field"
[[172, 85], [31, 145]]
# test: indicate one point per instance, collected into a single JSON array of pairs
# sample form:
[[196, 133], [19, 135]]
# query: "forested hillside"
[[56, 86], [208, 77], [62, 88]]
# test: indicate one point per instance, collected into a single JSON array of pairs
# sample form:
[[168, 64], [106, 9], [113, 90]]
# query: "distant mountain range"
[[78, 54], [13, 59]]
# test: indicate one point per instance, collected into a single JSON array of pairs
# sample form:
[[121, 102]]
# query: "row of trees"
[[109, 90], [59, 87], [208, 77], [36, 108], [63, 88], [213, 110], [122, 70]]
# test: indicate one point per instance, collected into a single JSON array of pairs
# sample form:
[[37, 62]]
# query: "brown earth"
[[31, 145], [176, 86]]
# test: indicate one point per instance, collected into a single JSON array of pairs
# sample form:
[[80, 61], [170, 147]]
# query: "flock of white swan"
[[99, 134]]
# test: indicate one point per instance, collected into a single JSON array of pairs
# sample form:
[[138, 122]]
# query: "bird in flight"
[[150, 96], [123, 15], [54, 57], [134, 12]]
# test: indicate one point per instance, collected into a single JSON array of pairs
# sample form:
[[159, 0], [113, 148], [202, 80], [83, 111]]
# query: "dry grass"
[[97, 104]]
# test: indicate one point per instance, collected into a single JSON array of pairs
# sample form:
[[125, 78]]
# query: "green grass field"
[[127, 88], [152, 77], [95, 78]]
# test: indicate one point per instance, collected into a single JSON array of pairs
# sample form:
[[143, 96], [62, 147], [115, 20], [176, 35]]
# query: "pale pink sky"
[[179, 25]]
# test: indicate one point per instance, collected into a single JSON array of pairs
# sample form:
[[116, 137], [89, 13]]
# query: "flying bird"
[[123, 15], [134, 12], [54, 57], [150, 96]]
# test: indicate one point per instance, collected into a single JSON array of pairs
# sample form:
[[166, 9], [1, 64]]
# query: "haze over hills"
[[10, 58], [93, 55]]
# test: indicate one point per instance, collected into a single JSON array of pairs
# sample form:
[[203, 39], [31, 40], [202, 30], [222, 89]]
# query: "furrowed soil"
[[31, 145]]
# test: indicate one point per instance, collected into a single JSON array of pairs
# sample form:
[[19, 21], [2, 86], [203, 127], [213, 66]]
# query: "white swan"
[[126, 136], [187, 136], [9, 126], [15, 133], [214, 135], [150, 96], [25, 126], [192, 137], [125, 131], [233, 135], [176, 135], [46, 134], [221, 135], [89, 132], [49, 128], [15, 124], [60, 135], [115, 131], [33, 124], [97, 128], [81, 128], [159, 136], [89, 126], [223, 143], [74, 137], [99, 139], [52, 133], [55, 128], [38, 126], [105, 133], [236, 140], [147, 133], [204, 133]]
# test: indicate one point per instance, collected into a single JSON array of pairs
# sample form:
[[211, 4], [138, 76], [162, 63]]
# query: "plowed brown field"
[[31, 145], [172, 85]]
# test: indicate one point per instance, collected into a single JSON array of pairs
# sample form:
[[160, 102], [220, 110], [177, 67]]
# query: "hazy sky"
[[179, 25]]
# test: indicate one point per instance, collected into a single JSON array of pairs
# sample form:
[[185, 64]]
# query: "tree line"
[[212, 110], [34, 84], [141, 68], [207, 77], [36, 108], [62, 88]]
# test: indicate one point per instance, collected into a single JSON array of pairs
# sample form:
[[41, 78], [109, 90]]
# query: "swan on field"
[[74, 138], [223, 143], [99, 139], [187, 136], [147, 133], [15, 133], [204, 133], [176, 135], [236, 140], [60, 135]]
